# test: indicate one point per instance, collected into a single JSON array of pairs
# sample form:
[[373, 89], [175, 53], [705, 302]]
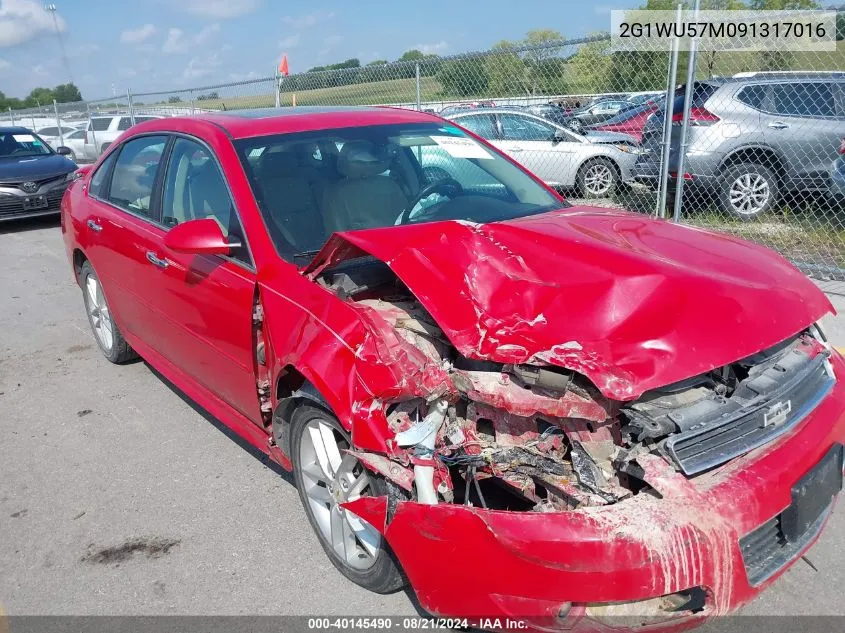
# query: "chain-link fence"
[[763, 135]]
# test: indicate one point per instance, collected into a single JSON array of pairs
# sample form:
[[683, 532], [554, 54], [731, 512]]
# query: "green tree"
[[412, 55], [67, 93], [590, 68], [174, 99], [463, 77], [507, 74]]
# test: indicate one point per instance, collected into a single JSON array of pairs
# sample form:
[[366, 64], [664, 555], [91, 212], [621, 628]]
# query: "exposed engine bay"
[[543, 438]]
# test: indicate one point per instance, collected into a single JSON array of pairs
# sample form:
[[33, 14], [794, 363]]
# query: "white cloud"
[[126, 73], [5, 65], [180, 42], [291, 41], [308, 20], [219, 9], [23, 20], [201, 66], [428, 49], [329, 44], [136, 36]]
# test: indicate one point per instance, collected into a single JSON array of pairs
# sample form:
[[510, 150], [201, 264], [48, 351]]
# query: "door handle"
[[155, 260], [778, 125], [92, 224]]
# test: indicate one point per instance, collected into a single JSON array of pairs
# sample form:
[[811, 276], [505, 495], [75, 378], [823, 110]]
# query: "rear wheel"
[[106, 333], [748, 191], [597, 178], [326, 477]]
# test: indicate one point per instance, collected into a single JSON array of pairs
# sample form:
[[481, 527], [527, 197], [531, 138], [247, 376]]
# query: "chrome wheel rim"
[[330, 478], [597, 179], [749, 194], [98, 312]]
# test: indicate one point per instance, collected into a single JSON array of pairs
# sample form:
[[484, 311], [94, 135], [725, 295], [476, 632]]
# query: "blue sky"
[[148, 45]]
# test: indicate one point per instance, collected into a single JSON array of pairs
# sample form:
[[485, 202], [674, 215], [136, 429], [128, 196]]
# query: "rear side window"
[[752, 96], [135, 173], [804, 99], [100, 124], [125, 123], [141, 119], [97, 187], [49, 131]]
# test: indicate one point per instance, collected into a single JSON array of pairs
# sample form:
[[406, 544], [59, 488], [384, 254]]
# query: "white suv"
[[102, 131]]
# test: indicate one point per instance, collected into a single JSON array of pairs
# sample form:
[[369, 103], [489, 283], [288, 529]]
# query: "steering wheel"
[[447, 186]]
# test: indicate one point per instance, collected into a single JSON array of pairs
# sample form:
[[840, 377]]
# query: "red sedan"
[[563, 415]]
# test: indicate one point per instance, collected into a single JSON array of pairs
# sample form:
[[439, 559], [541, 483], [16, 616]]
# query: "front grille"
[[766, 550], [11, 205], [711, 444]]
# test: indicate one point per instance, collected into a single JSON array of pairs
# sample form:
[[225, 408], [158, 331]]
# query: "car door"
[[530, 141], [119, 228], [804, 128], [204, 302]]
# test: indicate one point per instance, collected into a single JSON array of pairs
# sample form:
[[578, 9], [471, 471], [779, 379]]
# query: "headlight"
[[629, 149], [72, 176]]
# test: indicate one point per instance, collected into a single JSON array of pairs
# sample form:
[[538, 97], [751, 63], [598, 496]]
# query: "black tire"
[[119, 350], [585, 183], [385, 575], [734, 179]]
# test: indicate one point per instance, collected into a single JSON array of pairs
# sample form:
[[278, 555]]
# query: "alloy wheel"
[[749, 193], [98, 310], [598, 179], [331, 478]]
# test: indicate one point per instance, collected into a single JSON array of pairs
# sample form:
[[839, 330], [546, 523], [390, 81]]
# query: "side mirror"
[[559, 136], [61, 150], [199, 237]]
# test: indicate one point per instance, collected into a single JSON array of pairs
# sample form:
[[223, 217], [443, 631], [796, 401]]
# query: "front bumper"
[[474, 563], [16, 204]]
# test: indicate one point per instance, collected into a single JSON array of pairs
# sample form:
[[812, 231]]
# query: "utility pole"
[[51, 9]]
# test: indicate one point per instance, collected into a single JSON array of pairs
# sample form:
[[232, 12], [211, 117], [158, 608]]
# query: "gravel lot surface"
[[119, 496]]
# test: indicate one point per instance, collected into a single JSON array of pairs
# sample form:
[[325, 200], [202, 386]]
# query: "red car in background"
[[631, 121], [567, 416]]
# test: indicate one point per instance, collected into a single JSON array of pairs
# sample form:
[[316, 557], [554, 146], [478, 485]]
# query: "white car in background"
[[594, 163], [102, 131], [75, 141], [50, 134]]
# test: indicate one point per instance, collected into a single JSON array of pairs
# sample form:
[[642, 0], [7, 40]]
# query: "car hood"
[[631, 302], [34, 167]]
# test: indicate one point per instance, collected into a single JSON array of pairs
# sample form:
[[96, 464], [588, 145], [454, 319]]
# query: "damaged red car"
[[570, 416]]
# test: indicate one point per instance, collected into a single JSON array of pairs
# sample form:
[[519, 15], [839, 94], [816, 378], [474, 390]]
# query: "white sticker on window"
[[461, 147], [24, 138]]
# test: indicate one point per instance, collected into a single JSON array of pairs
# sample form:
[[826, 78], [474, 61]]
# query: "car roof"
[[262, 121], [14, 129]]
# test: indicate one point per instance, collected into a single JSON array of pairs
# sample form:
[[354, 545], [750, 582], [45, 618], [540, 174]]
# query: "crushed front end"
[[521, 490]]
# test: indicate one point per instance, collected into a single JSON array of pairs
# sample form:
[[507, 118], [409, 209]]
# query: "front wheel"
[[106, 333], [327, 477], [597, 178]]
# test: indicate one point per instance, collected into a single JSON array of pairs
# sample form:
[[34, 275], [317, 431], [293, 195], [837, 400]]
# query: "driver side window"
[[523, 128]]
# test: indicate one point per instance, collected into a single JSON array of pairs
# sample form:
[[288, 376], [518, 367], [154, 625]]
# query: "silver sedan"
[[593, 164]]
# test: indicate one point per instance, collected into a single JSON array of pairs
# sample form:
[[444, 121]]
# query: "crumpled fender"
[[629, 301]]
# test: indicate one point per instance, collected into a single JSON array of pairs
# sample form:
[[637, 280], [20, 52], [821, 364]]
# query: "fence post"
[[58, 123], [419, 104], [277, 87], [91, 127], [682, 147], [663, 185], [11, 116], [191, 98], [32, 118], [131, 107]]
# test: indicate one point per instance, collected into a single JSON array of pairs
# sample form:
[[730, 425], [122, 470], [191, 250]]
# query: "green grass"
[[391, 91]]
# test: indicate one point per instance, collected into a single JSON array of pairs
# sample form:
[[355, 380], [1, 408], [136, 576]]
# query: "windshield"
[[21, 144], [309, 185]]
